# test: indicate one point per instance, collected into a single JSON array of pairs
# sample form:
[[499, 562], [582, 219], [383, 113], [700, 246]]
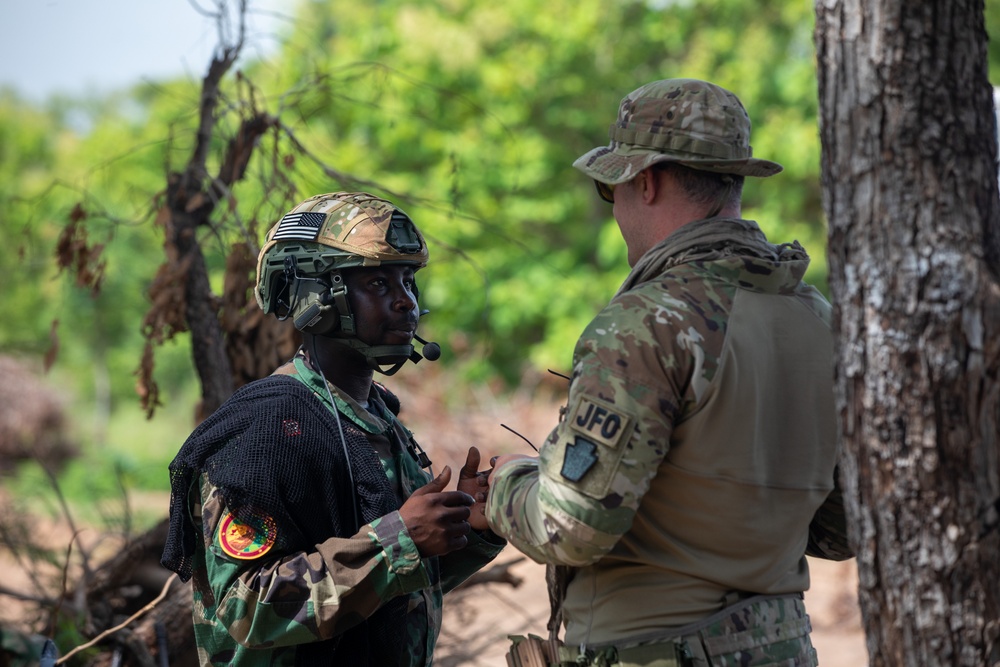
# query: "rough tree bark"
[[910, 193]]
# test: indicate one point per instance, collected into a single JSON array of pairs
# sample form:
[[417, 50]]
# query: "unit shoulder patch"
[[600, 421], [589, 446], [247, 540], [579, 458]]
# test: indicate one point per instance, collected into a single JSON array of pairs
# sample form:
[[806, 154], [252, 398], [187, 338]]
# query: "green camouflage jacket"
[[696, 457], [258, 610]]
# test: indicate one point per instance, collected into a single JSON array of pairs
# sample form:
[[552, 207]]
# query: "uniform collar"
[[716, 239], [367, 420]]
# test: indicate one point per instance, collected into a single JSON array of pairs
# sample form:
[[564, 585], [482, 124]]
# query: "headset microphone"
[[431, 351]]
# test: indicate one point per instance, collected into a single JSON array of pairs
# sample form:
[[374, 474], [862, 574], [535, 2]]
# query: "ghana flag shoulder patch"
[[247, 540]]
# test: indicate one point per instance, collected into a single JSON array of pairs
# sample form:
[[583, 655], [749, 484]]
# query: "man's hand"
[[437, 520], [477, 485]]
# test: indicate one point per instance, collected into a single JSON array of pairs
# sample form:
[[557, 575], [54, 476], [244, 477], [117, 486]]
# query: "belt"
[[685, 646], [671, 653]]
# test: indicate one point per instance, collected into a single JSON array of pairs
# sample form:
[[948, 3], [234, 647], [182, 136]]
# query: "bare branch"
[[221, 63], [27, 597], [123, 624]]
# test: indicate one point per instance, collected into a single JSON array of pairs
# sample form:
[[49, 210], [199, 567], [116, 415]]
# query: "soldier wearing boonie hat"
[[686, 121], [694, 465]]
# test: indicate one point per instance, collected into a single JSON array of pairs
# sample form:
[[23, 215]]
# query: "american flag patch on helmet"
[[299, 226]]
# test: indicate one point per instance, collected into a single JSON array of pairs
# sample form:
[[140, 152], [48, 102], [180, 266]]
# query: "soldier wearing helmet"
[[694, 467], [301, 268], [300, 509]]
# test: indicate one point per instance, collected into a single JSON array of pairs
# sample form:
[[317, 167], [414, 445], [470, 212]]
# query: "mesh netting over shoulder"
[[273, 450]]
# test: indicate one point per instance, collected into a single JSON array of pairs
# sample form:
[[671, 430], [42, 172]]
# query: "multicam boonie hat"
[[687, 121]]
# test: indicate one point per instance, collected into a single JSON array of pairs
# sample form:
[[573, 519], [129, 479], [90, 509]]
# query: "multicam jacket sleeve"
[[630, 383], [305, 596]]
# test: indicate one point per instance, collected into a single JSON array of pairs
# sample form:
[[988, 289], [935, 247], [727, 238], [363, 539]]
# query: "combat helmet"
[[299, 266]]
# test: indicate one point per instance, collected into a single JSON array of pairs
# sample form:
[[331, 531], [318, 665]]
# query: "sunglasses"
[[605, 191]]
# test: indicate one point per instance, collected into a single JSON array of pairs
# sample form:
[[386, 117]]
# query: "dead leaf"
[[53, 351]]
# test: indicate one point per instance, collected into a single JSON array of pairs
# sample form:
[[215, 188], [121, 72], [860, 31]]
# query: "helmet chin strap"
[[378, 356]]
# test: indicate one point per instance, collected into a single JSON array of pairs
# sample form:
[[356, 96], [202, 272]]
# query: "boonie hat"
[[687, 121]]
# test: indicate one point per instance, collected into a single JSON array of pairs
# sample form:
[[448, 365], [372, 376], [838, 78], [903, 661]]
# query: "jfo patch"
[[599, 421], [247, 541]]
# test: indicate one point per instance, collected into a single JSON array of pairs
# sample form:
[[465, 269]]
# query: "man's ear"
[[650, 185]]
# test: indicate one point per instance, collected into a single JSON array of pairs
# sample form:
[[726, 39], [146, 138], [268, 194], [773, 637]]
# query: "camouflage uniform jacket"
[[695, 459], [265, 611]]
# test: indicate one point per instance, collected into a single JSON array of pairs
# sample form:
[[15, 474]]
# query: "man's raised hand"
[[438, 520]]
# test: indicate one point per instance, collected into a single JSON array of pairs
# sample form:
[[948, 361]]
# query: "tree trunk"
[[201, 305], [910, 193]]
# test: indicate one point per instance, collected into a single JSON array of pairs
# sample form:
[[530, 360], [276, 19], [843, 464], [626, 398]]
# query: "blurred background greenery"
[[468, 114]]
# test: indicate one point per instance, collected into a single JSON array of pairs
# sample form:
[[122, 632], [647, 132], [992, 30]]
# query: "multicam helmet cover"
[[299, 268], [334, 231], [687, 121]]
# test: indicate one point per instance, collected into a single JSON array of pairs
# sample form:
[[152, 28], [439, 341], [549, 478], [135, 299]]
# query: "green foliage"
[[28, 146], [476, 111], [467, 113]]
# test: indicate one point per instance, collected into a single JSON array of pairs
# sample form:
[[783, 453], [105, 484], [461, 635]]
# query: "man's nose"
[[404, 298]]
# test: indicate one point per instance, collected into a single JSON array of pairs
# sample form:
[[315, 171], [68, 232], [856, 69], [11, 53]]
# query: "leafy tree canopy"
[[467, 114]]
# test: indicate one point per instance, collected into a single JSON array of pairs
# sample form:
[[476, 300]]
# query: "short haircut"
[[705, 187]]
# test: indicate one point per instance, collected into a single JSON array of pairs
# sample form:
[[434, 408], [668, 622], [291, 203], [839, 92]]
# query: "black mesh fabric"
[[273, 450]]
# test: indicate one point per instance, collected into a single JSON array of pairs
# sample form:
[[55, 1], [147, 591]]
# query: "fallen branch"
[[129, 620]]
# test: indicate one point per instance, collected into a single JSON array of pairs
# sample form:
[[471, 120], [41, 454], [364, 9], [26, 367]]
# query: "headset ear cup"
[[315, 313]]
